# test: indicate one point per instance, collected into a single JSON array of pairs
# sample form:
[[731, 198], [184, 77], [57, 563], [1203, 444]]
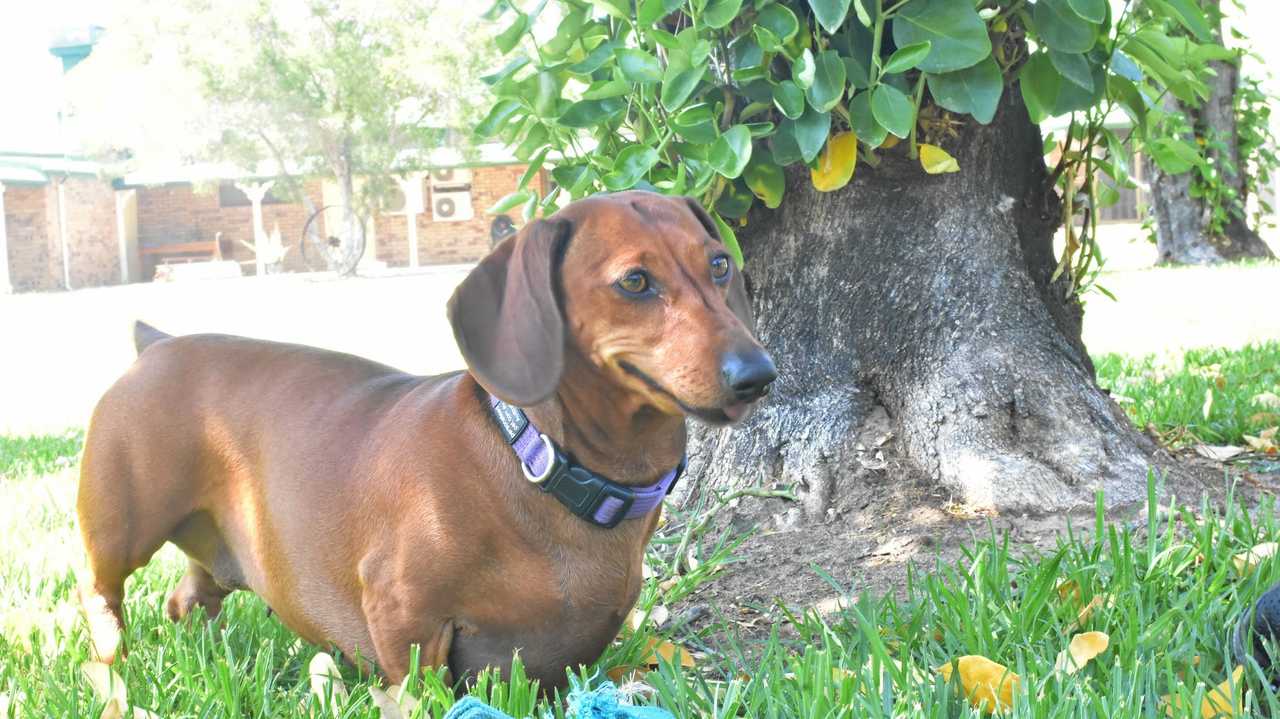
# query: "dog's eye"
[[635, 283], [719, 268]]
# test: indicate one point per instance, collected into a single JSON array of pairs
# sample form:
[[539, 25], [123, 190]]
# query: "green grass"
[[1169, 392], [1175, 598], [40, 454]]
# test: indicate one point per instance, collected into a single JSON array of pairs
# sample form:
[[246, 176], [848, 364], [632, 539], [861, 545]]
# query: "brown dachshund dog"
[[373, 510]]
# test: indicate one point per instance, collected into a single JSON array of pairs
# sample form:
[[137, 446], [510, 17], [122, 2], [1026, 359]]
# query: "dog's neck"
[[608, 428]]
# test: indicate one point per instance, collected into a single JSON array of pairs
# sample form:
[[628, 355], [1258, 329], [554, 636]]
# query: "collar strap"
[[596, 499]]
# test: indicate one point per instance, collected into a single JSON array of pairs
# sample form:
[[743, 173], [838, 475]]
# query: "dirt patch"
[[892, 519]]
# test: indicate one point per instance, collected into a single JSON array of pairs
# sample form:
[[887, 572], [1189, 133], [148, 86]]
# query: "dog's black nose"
[[748, 374]]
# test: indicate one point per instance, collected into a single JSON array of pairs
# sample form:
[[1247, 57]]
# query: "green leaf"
[[1124, 66], [736, 200], [1074, 67], [533, 141], [859, 7], [803, 70], [567, 33], [1174, 156], [573, 178], [629, 166], [779, 20], [863, 120], [1094, 11], [1040, 84], [607, 88], [767, 182], [1189, 15], [515, 199], [696, 124], [507, 40], [957, 36], [650, 11], [766, 39], [591, 113], [677, 88], [828, 81], [639, 66], [893, 110], [731, 151], [620, 9], [1062, 29], [789, 99], [530, 209], [905, 58], [719, 13], [1130, 99], [535, 165], [783, 144], [507, 71], [974, 90], [594, 59], [811, 132], [544, 102], [499, 115], [729, 238], [830, 13]]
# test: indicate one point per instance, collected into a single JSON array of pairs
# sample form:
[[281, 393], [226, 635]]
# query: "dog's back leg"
[[116, 541]]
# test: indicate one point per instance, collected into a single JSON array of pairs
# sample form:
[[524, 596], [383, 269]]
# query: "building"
[[68, 225]]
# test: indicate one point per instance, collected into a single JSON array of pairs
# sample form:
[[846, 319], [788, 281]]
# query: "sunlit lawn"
[[1167, 605]]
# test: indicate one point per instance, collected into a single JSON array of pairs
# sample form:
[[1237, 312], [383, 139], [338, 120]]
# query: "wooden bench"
[[183, 251]]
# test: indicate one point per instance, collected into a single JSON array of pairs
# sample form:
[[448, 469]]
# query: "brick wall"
[[35, 246], [28, 235], [449, 242], [180, 212]]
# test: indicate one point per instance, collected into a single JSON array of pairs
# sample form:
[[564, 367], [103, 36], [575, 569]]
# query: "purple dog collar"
[[594, 498]]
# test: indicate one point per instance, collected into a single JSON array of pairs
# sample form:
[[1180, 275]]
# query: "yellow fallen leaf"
[[890, 141], [657, 616], [1099, 601], [989, 685], [936, 161], [1069, 591], [668, 651], [836, 163], [326, 682], [108, 687], [1247, 560], [1083, 647], [394, 703], [1224, 700]]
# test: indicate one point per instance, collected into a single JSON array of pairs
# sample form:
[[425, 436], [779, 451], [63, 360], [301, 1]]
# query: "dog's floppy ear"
[[506, 315], [738, 300]]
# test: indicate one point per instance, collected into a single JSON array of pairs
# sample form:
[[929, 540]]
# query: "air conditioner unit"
[[451, 206], [450, 177]]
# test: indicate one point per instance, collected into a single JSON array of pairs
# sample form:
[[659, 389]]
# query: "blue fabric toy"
[[602, 703]]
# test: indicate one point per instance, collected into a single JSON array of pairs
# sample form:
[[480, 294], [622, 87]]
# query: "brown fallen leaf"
[[1099, 601], [1268, 400], [673, 653], [1218, 453], [1265, 442]]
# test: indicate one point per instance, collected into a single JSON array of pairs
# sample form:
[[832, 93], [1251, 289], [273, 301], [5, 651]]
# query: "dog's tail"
[[144, 335]]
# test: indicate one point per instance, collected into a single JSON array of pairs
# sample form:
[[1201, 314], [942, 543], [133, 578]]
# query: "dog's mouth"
[[731, 413]]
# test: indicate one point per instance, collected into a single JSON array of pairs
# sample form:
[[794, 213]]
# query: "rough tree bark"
[[929, 296], [1183, 228]]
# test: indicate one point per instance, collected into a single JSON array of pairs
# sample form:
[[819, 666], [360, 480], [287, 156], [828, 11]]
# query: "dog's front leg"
[[398, 617]]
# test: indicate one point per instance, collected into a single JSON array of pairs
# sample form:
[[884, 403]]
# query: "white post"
[[123, 198], [6, 286], [411, 186], [255, 193]]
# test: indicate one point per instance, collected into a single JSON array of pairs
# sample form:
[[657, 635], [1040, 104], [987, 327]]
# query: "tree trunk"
[[929, 296], [1184, 231]]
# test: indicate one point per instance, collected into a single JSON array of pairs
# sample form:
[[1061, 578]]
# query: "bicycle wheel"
[[339, 252]]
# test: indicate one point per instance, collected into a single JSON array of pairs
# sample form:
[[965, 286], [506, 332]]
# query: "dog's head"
[[640, 285]]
